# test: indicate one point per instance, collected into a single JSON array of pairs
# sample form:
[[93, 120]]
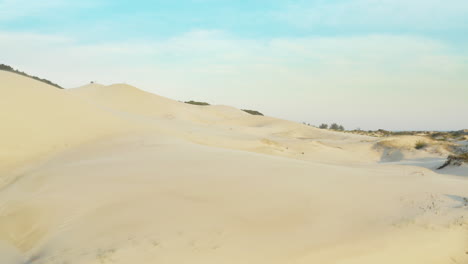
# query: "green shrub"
[[7, 68], [4, 67], [197, 103], [335, 126], [252, 112], [420, 145], [323, 126]]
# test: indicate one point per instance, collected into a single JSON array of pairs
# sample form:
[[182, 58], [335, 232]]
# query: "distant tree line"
[[7, 68]]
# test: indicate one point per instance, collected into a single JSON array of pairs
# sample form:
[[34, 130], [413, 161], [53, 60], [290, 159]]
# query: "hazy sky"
[[392, 64]]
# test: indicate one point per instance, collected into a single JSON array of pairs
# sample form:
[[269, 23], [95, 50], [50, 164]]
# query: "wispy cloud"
[[363, 15]]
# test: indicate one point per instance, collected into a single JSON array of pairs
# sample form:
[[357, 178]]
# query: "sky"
[[368, 64]]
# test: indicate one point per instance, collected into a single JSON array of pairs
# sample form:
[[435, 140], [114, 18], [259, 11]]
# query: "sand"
[[112, 174]]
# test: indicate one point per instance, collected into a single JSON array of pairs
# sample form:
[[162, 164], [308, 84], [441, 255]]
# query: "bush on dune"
[[197, 103], [335, 126], [420, 145], [252, 112], [7, 68]]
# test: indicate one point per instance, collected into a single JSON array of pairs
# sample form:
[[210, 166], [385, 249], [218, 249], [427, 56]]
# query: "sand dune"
[[38, 119], [126, 99], [131, 177], [224, 126]]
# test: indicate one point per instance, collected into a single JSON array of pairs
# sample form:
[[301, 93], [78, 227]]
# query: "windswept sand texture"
[[112, 174]]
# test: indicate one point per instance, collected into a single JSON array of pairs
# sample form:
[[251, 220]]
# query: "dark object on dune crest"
[[196, 103], [456, 160], [252, 112], [7, 68]]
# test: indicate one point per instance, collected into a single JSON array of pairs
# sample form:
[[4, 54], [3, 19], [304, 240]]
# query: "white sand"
[[111, 174]]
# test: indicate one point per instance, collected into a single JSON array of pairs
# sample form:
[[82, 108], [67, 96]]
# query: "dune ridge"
[[39, 119], [126, 176]]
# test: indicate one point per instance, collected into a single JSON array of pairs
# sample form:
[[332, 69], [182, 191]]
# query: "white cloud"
[[394, 14], [378, 81]]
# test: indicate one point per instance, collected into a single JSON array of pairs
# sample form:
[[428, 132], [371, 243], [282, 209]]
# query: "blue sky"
[[106, 20], [371, 64]]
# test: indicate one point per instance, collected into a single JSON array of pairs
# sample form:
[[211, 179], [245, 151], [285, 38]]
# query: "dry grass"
[[456, 160]]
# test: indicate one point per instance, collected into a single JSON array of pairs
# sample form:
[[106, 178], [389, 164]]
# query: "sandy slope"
[[38, 119], [144, 179], [224, 126]]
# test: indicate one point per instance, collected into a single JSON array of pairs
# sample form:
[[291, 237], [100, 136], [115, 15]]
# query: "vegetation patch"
[[434, 135], [456, 160], [197, 103], [252, 112], [420, 144], [7, 68], [333, 126]]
